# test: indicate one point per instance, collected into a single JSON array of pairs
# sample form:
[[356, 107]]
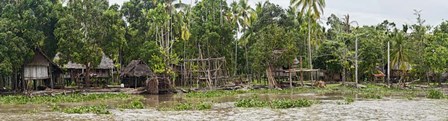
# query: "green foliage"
[[435, 94], [80, 32], [163, 33], [192, 106], [100, 109], [349, 100], [282, 103], [290, 103], [203, 106], [275, 46], [436, 52], [20, 99], [251, 102], [183, 106], [134, 104], [213, 93]]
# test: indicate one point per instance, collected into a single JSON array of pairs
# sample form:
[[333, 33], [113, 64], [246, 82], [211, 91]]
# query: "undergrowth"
[[21, 99], [435, 94], [280, 103]]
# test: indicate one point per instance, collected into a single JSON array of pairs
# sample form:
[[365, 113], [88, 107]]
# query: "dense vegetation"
[[163, 32]]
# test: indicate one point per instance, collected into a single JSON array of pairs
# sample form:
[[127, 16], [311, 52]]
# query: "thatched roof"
[[41, 59], [136, 68], [106, 63]]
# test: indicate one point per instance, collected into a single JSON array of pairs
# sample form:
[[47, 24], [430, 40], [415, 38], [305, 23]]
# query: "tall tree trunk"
[[271, 80], [236, 53], [343, 75], [301, 71], [87, 75], [309, 46]]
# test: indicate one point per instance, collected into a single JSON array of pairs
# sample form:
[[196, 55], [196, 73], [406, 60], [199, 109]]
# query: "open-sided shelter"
[[135, 74]]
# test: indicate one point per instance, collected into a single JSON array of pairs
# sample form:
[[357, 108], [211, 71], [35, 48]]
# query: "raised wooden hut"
[[76, 72], [135, 74], [40, 72]]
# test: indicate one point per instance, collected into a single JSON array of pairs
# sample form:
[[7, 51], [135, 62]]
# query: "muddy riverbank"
[[328, 110]]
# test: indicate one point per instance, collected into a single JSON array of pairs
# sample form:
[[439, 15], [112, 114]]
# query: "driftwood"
[[320, 84]]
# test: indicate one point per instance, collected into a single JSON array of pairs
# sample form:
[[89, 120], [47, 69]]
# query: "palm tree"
[[313, 9], [234, 19], [400, 53], [245, 13]]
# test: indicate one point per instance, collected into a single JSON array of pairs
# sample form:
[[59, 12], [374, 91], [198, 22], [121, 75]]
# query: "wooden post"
[[356, 62], [51, 77], [388, 63], [301, 71], [135, 82], [290, 74]]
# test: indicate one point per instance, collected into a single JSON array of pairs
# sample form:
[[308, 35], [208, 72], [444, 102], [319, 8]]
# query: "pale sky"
[[372, 12]]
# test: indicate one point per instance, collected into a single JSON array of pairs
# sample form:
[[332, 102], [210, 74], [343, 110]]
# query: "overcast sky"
[[372, 12]]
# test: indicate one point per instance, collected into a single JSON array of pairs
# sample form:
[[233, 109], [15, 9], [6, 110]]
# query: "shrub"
[[183, 106], [135, 104], [203, 106], [20, 99], [371, 96], [435, 94], [214, 93], [282, 103], [99, 109], [252, 102], [349, 100]]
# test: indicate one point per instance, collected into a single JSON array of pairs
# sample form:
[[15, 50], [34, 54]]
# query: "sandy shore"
[[393, 110]]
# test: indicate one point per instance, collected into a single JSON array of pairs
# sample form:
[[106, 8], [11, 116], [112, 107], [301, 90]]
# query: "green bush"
[[214, 93], [435, 94], [135, 104], [291, 103], [349, 100], [183, 106], [203, 106], [371, 96], [192, 106], [20, 99], [282, 103], [252, 102]]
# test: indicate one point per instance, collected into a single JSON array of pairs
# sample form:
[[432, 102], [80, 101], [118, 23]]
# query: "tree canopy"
[[251, 38]]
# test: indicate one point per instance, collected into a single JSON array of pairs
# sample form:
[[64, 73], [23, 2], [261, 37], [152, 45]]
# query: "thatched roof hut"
[[40, 66], [136, 68], [106, 63]]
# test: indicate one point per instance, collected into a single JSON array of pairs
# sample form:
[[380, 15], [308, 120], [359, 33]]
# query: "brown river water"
[[388, 108]]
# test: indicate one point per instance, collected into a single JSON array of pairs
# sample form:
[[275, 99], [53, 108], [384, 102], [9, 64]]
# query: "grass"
[[285, 103], [278, 104], [435, 94], [124, 101], [97, 109], [214, 93], [349, 100], [187, 106], [251, 102], [370, 92], [20, 99], [135, 104]]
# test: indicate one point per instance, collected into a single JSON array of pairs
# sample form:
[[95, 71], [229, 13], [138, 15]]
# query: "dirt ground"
[[328, 110]]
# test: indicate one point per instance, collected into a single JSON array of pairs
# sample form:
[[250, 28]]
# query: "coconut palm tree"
[[245, 13], [313, 9], [400, 53], [234, 19]]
